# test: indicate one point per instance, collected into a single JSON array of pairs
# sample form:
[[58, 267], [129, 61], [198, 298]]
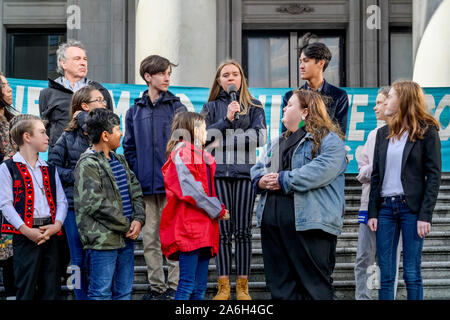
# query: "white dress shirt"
[[41, 207], [68, 85], [392, 182]]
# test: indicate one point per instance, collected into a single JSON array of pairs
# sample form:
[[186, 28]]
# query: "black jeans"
[[36, 269], [298, 264], [8, 276]]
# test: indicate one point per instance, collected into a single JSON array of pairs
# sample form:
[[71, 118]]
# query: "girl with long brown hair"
[[235, 130], [404, 186], [7, 148], [189, 228], [64, 155], [300, 176]]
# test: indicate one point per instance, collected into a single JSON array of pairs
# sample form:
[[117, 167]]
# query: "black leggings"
[[238, 197]]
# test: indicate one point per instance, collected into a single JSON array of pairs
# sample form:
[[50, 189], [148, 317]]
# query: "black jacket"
[[337, 107], [147, 131], [421, 173], [54, 106], [241, 146], [65, 154]]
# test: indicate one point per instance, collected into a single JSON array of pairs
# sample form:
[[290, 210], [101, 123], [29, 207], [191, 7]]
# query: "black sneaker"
[[169, 294], [153, 295]]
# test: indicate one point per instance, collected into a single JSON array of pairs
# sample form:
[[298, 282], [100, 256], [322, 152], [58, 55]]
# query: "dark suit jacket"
[[421, 173], [337, 105], [54, 106]]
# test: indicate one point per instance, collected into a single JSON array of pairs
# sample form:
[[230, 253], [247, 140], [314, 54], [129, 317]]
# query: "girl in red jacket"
[[189, 229]]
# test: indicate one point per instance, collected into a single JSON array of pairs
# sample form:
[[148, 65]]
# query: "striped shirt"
[[121, 179]]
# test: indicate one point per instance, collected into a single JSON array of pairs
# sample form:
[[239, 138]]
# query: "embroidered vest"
[[23, 192]]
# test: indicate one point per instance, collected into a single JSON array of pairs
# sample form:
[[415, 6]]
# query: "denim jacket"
[[317, 184]]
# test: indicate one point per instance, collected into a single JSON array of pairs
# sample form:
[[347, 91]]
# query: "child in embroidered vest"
[[34, 204]]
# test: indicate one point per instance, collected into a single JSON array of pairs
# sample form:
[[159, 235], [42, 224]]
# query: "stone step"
[[351, 177], [342, 272], [435, 238], [434, 289], [440, 235], [353, 200], [258, 290], [440, 223], [356, 189], [343, 255], [443, 211], [429, 253], [430, 270]]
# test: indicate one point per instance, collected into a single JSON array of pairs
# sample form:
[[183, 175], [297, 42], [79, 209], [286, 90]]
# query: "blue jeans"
[[193, 276], [393, 218], [76, 255], [111, 273]]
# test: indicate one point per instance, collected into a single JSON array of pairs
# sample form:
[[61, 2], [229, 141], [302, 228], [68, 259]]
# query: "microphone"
[[232, 90]]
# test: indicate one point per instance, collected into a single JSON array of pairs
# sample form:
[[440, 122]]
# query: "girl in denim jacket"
[[300, 176]]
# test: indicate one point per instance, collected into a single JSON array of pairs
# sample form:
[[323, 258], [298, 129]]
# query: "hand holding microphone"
[[234, 107]]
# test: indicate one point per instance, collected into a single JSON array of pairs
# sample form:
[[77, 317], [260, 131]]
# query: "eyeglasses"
[[99, 100]]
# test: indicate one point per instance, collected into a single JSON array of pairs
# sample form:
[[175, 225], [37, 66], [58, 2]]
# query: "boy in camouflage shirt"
[[109, 209]]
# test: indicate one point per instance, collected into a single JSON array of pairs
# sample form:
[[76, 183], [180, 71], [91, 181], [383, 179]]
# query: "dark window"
[[31, 54], [400, 55], [267, 60], [270, 59]]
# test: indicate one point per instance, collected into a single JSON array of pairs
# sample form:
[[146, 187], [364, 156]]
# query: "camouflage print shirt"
[[7, 147], [98, 203]]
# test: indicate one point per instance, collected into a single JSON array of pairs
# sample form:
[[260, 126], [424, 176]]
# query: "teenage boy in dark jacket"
[[147, 131], [314, 60]]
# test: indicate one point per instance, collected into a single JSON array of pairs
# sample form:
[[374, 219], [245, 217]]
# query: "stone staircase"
[[435, 257]]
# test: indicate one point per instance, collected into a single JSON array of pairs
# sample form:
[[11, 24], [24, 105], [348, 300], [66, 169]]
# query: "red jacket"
[[189, 221]]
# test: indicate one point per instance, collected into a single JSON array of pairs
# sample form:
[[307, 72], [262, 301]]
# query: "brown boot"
[[242, 289], [223, 289]]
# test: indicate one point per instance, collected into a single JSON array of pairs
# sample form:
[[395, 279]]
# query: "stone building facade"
[[374, 42]]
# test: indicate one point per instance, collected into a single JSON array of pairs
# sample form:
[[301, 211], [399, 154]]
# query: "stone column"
[[103, 33], [431, 42], [184, 31]]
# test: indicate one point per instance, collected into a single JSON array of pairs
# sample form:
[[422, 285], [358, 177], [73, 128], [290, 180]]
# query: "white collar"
[[19, 158]]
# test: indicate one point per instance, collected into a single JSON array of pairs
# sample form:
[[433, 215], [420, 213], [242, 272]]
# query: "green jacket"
[[98, 203]]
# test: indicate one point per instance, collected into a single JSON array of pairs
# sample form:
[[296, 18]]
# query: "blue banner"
[[361, 118]]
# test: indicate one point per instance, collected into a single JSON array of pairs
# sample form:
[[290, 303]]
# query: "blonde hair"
[[20, 124], [413, 109], [245, 98]]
